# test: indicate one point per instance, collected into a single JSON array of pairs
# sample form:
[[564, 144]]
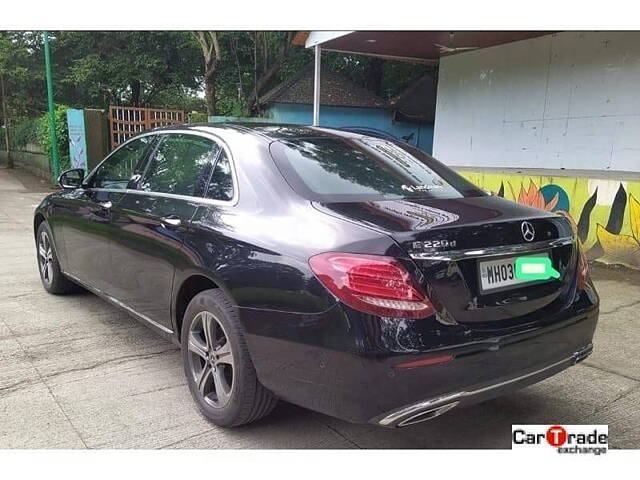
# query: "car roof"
[[268, 131]]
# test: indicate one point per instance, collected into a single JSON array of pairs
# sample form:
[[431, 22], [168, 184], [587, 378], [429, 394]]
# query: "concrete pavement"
[[76, 372]]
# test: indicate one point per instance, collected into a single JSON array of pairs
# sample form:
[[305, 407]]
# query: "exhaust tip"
[[583, 353], [425, 415]]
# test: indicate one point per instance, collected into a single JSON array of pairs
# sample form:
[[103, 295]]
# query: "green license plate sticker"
[[535, 268]]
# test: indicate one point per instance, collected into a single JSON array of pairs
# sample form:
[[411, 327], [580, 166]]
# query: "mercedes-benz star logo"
[[528, 232]]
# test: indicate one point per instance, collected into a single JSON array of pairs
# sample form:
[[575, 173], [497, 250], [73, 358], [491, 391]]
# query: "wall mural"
[[606, 212]]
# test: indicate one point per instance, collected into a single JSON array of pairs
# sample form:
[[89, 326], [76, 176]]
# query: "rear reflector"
[[372, 284], [426, 361]]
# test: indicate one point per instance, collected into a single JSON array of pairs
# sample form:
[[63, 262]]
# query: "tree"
[[212, 54], [6, 120], [374, 75], [21, 62], [100, 68], [254, 62], [275, 48], [173, 69], [17, 74]]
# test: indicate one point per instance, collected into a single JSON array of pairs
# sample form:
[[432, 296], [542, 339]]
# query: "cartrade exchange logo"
[[590, 439]]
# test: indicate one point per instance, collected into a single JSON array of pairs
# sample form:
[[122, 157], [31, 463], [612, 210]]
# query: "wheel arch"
[[189, 287], [38, 218]]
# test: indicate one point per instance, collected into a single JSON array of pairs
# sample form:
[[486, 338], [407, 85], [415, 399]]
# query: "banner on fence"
[[77, 138]]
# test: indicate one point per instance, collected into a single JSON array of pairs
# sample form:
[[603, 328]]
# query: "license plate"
[[501, 274]]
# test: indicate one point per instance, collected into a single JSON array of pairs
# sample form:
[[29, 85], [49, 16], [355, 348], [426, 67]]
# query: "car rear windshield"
[[334, 169]]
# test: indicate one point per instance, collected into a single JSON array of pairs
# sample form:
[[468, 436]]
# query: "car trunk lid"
[[448, 239]]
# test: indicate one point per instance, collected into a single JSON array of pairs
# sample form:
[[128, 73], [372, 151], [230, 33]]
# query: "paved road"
[[76, 372]]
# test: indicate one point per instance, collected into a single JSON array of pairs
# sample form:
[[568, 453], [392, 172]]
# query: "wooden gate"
[[125, 122]]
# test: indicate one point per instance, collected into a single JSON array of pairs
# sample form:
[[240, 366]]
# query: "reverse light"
[[372, 284]]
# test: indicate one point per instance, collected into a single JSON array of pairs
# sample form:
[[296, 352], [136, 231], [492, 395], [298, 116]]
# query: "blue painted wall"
[[353, 117]]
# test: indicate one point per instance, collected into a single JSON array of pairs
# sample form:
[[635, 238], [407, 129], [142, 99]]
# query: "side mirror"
[[71, 179]]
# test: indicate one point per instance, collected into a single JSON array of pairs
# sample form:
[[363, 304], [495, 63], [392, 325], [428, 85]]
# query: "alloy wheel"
[[211, 359], [45, 258]]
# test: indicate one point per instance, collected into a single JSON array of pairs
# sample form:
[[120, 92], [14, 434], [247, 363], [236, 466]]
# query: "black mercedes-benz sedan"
[[352, 275]]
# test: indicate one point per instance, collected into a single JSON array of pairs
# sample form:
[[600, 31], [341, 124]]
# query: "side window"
[[180, 165], [117, 170], [221, 183]]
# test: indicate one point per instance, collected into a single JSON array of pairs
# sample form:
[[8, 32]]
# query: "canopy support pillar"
[[316, 86]]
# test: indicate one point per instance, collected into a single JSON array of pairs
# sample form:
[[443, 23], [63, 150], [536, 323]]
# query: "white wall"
[[568, 100]]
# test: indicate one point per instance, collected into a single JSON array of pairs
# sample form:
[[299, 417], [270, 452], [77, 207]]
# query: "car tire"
[[53, 280], [217, 364]]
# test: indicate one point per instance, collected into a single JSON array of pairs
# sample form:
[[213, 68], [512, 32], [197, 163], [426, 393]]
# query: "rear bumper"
[[431, 408], [344, 364]]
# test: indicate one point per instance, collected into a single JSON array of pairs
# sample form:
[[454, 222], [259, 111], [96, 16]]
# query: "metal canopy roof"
[[416, 46], [409, 46]]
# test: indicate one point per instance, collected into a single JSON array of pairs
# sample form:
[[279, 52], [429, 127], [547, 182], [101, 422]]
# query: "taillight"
[[583, 268], [372, 284]]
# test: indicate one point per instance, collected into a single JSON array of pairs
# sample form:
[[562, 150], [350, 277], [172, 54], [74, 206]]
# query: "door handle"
[[171, 220], [105, 205]]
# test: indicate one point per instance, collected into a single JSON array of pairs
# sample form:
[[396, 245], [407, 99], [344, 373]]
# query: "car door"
[[151, 222], [85, 215]]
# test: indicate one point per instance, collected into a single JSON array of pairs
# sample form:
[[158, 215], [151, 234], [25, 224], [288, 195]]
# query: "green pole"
[[55, 158]]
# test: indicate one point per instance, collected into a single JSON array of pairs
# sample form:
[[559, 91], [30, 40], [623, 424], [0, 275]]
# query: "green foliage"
[[23, 133], [95, 69], [197, 117], [180, 98], [35, 131], [232, 107], [249, 55], [124, 67], [62, 133], [22, 68], [384, 78], [399, 75]]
